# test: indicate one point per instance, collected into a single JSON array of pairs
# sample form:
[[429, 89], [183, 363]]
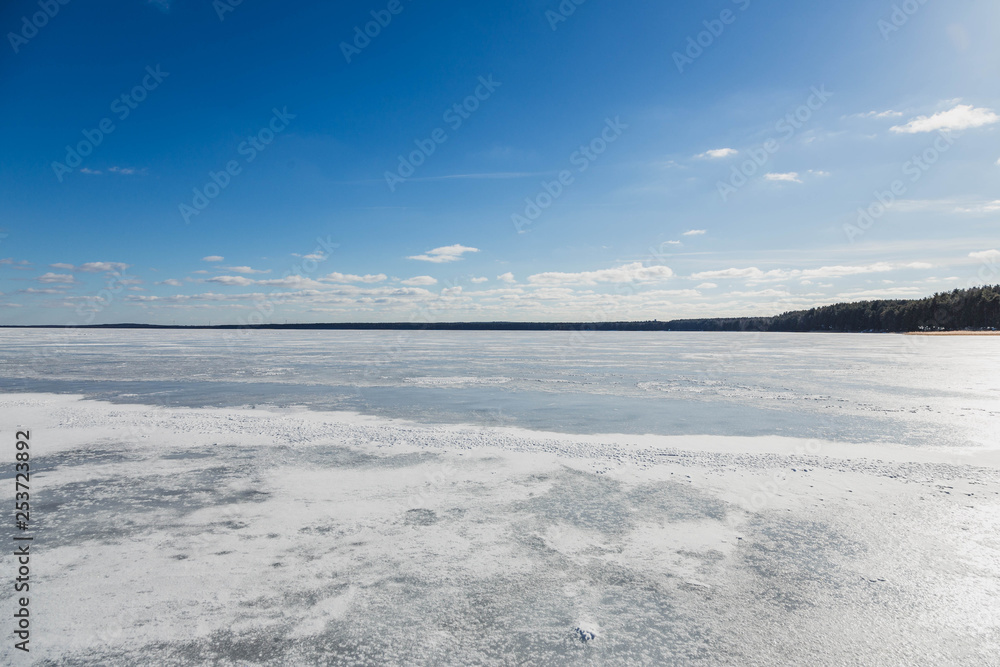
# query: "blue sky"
[[196, 162]]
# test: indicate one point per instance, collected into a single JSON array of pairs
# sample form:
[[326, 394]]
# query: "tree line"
[[975, 308]]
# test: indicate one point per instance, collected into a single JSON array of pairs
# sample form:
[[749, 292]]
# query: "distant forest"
[[976, 308]]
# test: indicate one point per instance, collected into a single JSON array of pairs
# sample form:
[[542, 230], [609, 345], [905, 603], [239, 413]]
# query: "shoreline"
[[491, 327], [952, 333]]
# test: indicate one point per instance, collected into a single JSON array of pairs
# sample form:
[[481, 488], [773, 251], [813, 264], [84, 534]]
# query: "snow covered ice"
[[177, 533]]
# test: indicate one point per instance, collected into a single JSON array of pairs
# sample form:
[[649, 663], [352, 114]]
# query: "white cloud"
[[979, 207], [818, 172], [962, 117], [998, 162], [884, 293], [879, 114], [92, 267], [451, 253], [569, 302], [213, 258], [634, 272], [97, 267], [695, 232], [245, 269], [717, 153], [300, 282], [170, 281], [553, 294], [687, 293], [947, 206], [752, 272], [763, 292], [336, 277], [507, 278], [56, 278], [990, 256], [755, 275], [231, 280], [790, 177], [476, 281], [419, 281]]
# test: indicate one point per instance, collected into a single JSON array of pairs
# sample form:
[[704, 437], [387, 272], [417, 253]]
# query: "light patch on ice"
[[456, 381], [327, 610]]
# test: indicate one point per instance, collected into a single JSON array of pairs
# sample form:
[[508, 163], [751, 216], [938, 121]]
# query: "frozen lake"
[[848, 387], [507, 498]]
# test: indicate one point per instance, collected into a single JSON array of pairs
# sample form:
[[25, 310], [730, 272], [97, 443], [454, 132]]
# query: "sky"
[[228, 162]]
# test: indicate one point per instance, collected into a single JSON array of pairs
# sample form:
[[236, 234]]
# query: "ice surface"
[[290, 536], [914, 390], [507, 498]]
